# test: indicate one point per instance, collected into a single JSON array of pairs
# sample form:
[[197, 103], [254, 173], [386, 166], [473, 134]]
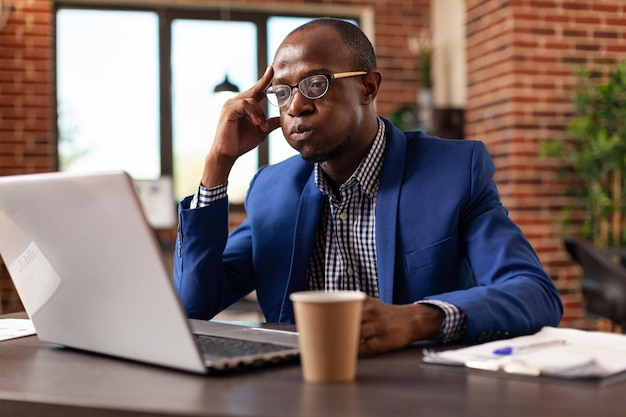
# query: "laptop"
[[91, 276]]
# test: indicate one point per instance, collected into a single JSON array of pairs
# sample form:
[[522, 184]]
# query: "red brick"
[[609, 8], [542, 4], [579, 5]]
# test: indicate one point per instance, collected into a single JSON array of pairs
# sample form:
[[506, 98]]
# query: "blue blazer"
[[441, 233]]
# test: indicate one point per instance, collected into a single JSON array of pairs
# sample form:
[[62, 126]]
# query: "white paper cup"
[[328, 324]]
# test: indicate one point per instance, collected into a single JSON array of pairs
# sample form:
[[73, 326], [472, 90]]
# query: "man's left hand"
[[386, 327]]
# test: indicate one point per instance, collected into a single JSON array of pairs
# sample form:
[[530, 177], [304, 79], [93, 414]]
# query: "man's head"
[[359, 47], [338, 126]]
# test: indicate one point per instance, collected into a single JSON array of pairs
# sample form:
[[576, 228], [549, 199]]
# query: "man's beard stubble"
[[327, 156]]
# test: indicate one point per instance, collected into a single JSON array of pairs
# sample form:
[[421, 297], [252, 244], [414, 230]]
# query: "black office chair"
[[604, 281]]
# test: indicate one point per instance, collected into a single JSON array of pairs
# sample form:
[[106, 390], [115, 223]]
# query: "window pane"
[[108, 91], [277, 29], [203, 54]]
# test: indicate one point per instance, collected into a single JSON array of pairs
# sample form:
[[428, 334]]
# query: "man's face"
[[321, 129]]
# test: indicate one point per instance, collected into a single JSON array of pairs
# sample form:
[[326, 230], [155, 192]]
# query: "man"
[[413, 221]]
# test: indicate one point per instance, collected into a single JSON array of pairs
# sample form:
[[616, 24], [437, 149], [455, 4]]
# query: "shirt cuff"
[[205, 196], [455, 323]]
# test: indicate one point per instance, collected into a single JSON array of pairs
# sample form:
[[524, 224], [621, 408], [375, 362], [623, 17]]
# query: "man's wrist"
[[454, 324], [216, 171], [427, 321], [205, 196]]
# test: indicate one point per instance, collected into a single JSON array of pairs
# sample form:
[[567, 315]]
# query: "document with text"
[[558, 352]]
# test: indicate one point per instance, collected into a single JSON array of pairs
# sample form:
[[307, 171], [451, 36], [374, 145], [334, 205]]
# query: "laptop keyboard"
[[234, 348]]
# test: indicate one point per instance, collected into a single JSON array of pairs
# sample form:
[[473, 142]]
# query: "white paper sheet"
[[14, 328], [583, 354]]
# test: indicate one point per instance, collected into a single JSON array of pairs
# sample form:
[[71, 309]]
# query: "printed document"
[[558, 352]]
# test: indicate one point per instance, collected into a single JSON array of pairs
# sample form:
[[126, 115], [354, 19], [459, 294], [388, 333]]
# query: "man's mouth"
[[300, 132]]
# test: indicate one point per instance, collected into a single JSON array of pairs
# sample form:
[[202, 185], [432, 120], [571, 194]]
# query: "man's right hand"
[[242, 127]]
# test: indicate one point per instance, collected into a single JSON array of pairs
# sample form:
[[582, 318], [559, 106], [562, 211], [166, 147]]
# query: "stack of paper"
[[567, 353], [12, 328]]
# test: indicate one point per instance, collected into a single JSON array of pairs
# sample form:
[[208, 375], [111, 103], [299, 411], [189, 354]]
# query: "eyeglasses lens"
[[314, 86]]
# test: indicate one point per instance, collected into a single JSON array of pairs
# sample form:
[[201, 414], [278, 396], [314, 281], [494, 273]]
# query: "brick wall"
[[26, 125], [521, 57]]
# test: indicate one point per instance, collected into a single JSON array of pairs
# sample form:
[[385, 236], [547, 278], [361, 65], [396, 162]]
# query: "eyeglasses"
[[312, 87]]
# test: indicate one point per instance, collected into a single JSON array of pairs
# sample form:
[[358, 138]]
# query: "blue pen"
[[509, 350]]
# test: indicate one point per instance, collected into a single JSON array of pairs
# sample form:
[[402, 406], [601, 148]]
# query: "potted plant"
[[596, 152]]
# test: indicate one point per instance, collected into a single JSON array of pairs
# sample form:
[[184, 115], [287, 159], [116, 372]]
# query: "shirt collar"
[[367, 174]]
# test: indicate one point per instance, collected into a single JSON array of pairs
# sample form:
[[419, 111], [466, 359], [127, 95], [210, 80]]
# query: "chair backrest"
[[604, 281]]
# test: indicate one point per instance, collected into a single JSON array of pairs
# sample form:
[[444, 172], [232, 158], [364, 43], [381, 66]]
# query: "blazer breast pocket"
[[436, 253]]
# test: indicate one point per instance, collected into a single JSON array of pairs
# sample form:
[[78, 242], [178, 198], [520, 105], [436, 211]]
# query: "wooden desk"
[[38, 379]]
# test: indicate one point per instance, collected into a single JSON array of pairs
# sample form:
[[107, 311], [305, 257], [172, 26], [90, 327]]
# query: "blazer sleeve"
[[513, 294], [206, 280]]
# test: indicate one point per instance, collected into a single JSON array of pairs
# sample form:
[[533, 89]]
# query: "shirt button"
[[343, 216], [349, 271]]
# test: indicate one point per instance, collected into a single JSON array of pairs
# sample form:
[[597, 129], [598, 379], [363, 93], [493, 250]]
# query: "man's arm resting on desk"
[[422, 322]]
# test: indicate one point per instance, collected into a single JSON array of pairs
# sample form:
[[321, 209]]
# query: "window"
[[278, 29], [196, 70], [108, 91], [135, 89]]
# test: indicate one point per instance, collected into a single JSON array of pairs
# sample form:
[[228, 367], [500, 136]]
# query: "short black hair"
[[359, 46]]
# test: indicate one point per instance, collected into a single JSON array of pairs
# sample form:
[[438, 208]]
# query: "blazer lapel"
[[391, 179], [306, 225]]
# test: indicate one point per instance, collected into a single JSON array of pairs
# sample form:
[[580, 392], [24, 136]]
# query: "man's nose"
[[298, 103]]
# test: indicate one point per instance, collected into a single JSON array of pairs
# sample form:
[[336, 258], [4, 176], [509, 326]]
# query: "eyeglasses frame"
[[335, 76]]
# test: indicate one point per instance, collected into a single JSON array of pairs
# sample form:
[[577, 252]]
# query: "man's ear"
[[371, 83]]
